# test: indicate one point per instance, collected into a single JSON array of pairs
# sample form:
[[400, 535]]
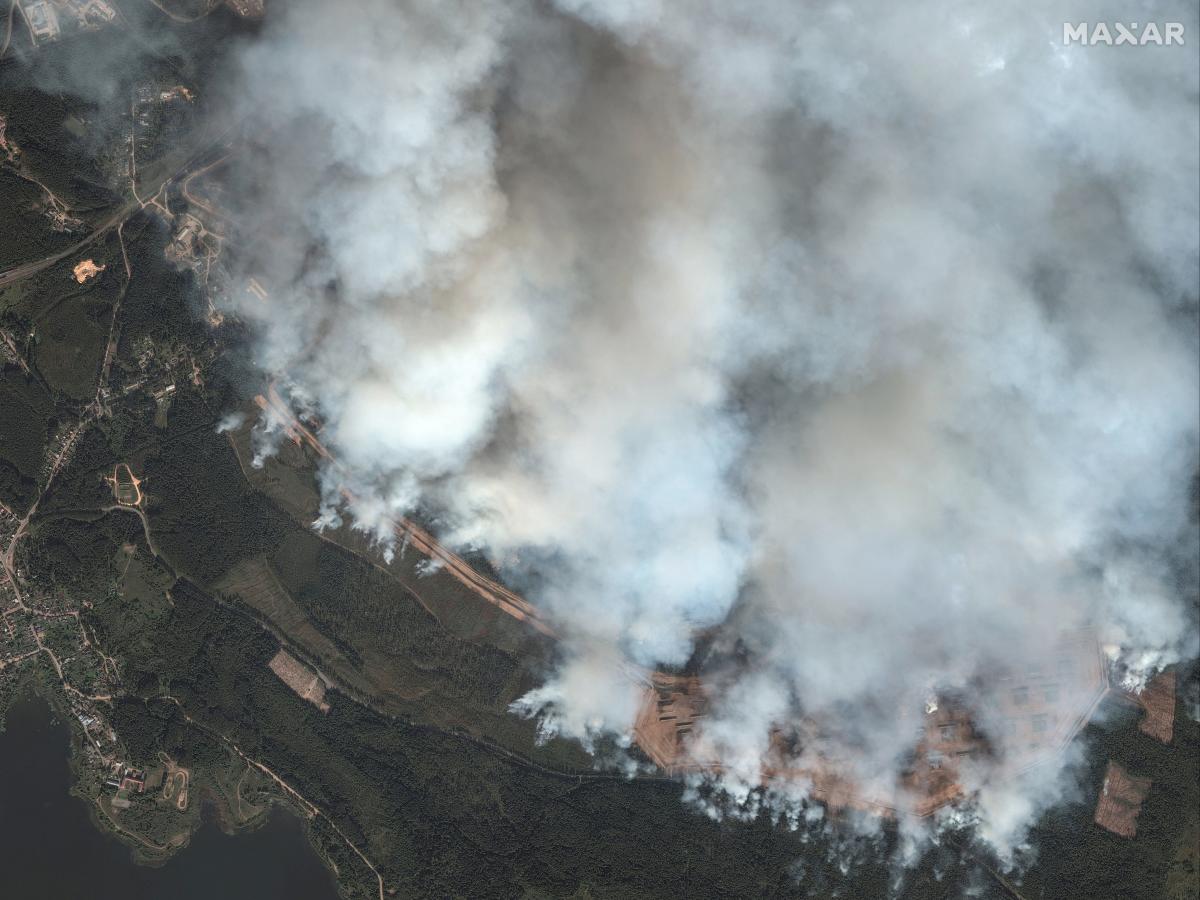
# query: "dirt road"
[[411, 533]]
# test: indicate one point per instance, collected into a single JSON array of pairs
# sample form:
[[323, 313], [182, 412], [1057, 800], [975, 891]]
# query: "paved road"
[[25, 270], [127, 209]]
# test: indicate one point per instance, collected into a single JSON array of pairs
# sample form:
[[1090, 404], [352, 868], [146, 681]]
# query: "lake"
[[49, 849]]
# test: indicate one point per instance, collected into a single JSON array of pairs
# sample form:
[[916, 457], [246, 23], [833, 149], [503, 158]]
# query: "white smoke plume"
[[230, 422], [864, 331]]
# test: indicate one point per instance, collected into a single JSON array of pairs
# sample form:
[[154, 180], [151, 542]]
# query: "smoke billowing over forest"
[[865, 332]]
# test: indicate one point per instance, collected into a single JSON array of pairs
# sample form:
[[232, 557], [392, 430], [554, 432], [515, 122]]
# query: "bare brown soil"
[[300, 678], [1158, 699], [1120, 801], [1043, 715], [86, 269]]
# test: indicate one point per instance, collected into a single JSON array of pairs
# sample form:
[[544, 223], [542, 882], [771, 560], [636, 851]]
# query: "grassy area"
[[70, 345]]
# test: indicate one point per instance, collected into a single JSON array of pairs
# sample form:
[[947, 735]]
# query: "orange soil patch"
[[178, 91], [1120, 801], [126, 486], [1041, 712], [300, 678], [86, 269], [1158, 699], [670, 709]]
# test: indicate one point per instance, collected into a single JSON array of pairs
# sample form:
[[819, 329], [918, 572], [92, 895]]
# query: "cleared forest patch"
[[300, 678], [255, 583]]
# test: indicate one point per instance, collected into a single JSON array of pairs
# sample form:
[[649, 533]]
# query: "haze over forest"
[[867, 335], [658, 447]]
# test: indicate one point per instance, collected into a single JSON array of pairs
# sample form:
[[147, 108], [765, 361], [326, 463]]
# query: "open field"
[[255, 583], [380, 646], [288, 478]]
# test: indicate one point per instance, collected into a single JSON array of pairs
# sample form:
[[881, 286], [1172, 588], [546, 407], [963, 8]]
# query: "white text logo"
[[1114, 34]]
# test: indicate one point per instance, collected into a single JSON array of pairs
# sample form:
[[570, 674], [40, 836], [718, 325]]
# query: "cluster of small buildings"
[[247, 9], [47, 20], [17, 640], [102, 739], [125, 777], [127, 781], [182, 249]]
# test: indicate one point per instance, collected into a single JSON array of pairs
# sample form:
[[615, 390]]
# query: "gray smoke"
[[867, 332]]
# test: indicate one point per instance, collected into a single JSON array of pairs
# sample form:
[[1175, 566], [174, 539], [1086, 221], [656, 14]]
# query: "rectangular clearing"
[[300, 678]]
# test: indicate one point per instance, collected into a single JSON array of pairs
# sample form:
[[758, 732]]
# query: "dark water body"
[[49, 849]]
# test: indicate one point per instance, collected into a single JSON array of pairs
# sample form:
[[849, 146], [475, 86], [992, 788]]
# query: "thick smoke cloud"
[[867, 332]]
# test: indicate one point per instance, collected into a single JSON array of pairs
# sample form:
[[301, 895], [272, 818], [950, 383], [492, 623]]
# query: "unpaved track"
[[410, 532]]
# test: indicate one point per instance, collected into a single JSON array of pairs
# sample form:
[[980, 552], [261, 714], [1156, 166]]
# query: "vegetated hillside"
[[205, 517], [366, 629], [38, 124], [444, 816], [26, 233], [26, 418], [162, 302], [448, 817]]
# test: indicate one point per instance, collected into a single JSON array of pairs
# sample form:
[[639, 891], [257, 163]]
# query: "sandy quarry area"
[[86, 269]]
